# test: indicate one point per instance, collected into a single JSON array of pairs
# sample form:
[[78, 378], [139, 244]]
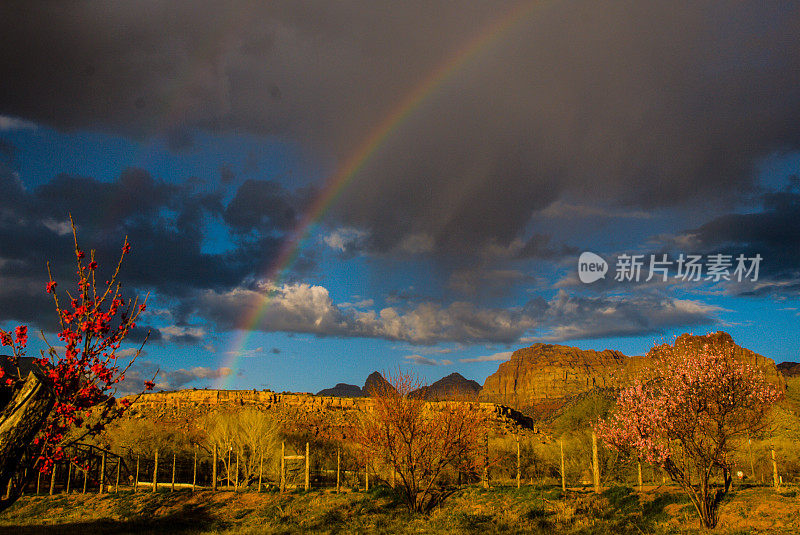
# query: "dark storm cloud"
[[637, 103], [772, 232], [166, 225]]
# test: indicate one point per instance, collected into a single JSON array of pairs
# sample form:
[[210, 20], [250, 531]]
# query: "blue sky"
[[207, 136]]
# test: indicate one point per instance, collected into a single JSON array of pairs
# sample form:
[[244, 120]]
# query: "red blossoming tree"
[[419, 440], [689, 413], [68, 394]]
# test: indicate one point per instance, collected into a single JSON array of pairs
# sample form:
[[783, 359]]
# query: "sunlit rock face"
[[547, 375]]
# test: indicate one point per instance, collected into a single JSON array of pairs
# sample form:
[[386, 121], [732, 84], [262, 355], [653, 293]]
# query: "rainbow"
[[337, 182]]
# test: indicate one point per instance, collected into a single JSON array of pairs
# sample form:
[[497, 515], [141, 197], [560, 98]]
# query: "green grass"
[[617, 511]]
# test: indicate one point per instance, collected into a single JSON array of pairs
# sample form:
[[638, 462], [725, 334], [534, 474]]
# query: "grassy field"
[[471, 510]]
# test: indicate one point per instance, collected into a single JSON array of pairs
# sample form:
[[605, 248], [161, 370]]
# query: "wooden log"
[[20, 421], [155, 474], [308, 464]]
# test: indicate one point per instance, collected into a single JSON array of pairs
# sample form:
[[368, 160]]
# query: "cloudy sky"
[[317, 190]]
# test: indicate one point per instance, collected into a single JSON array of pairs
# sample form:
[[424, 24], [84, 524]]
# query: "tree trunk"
[[20, 421]]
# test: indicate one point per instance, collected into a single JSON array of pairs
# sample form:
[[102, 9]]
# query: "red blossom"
[[21, 333], [80, 254], [148, 385], [92, 265], [6, 339], [50, 287]]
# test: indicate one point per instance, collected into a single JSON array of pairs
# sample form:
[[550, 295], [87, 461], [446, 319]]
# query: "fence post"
[[102, 474], [775, 479], [486, 461], [53, 480], [563, 475], [155, 474], [283, 466], [228, 468], [172, 488], [136, 481], [519, 465], [639, 467], [338, 466], [595, 464], [260, 468], [308, 465], [116, 483], [194, 469], [214, 470], [69, 474]]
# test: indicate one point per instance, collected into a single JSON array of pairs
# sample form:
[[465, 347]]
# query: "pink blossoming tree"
[[689, 413], [69, 392]]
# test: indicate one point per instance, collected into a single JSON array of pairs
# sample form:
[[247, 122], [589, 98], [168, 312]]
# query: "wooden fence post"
[[775, 479], [155, 474], [308, 466], [338, 467], [260, 469], [283, 466], [519, 465], [136, 481], [639, 467], [214, 470], [595, 464], [172, 488], [236, 474], [102, 474], [486, 461], [563, 474], [53, 480], [194, 469]]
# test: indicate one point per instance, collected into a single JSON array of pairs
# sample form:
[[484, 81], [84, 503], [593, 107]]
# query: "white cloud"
[[345, 239], [425, 361], [11, 123], [505, 355]]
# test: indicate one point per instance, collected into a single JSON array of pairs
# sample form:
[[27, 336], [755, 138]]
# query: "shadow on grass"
[[190, 519]]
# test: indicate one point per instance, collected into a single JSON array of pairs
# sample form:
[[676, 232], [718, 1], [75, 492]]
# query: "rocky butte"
[[544, 376]]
